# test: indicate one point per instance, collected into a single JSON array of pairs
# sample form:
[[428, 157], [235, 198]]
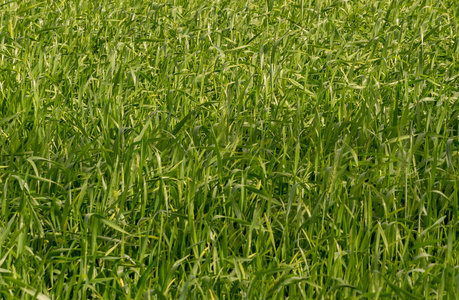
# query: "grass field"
[[215, 149]]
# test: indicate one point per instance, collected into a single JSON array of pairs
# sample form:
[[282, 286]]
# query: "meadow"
[[185, 149]]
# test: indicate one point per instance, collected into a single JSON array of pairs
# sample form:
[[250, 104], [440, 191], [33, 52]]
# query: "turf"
[[229, 149]]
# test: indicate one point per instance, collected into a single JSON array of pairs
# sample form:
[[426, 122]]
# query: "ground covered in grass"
[[229, 149]]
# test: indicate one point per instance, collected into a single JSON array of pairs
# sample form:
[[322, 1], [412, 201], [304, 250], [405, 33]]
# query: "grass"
[[229, 149]]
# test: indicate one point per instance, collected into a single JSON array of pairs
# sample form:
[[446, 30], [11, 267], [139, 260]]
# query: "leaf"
[[180, 124], [399, 290], [142, 133], [34, 293], [26, 288], [109, 223], [114, 226]]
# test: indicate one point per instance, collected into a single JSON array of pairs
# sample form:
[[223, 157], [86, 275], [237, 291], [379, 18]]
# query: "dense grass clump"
[[218, 149]]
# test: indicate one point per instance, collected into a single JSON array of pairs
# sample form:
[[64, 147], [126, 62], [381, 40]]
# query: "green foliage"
[[229, 149]]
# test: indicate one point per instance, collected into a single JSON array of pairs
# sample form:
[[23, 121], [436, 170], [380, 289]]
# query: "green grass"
[[229, 149]]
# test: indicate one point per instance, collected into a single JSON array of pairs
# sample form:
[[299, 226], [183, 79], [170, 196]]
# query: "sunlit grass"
[[229, 149]]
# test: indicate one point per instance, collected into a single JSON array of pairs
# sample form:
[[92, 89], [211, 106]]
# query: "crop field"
[[229, 149]]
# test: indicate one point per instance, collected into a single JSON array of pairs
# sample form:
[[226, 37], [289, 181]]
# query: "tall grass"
[[229, 149]]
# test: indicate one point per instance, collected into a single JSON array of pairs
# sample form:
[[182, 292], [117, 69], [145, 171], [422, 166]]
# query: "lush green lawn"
[[216, 149]]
